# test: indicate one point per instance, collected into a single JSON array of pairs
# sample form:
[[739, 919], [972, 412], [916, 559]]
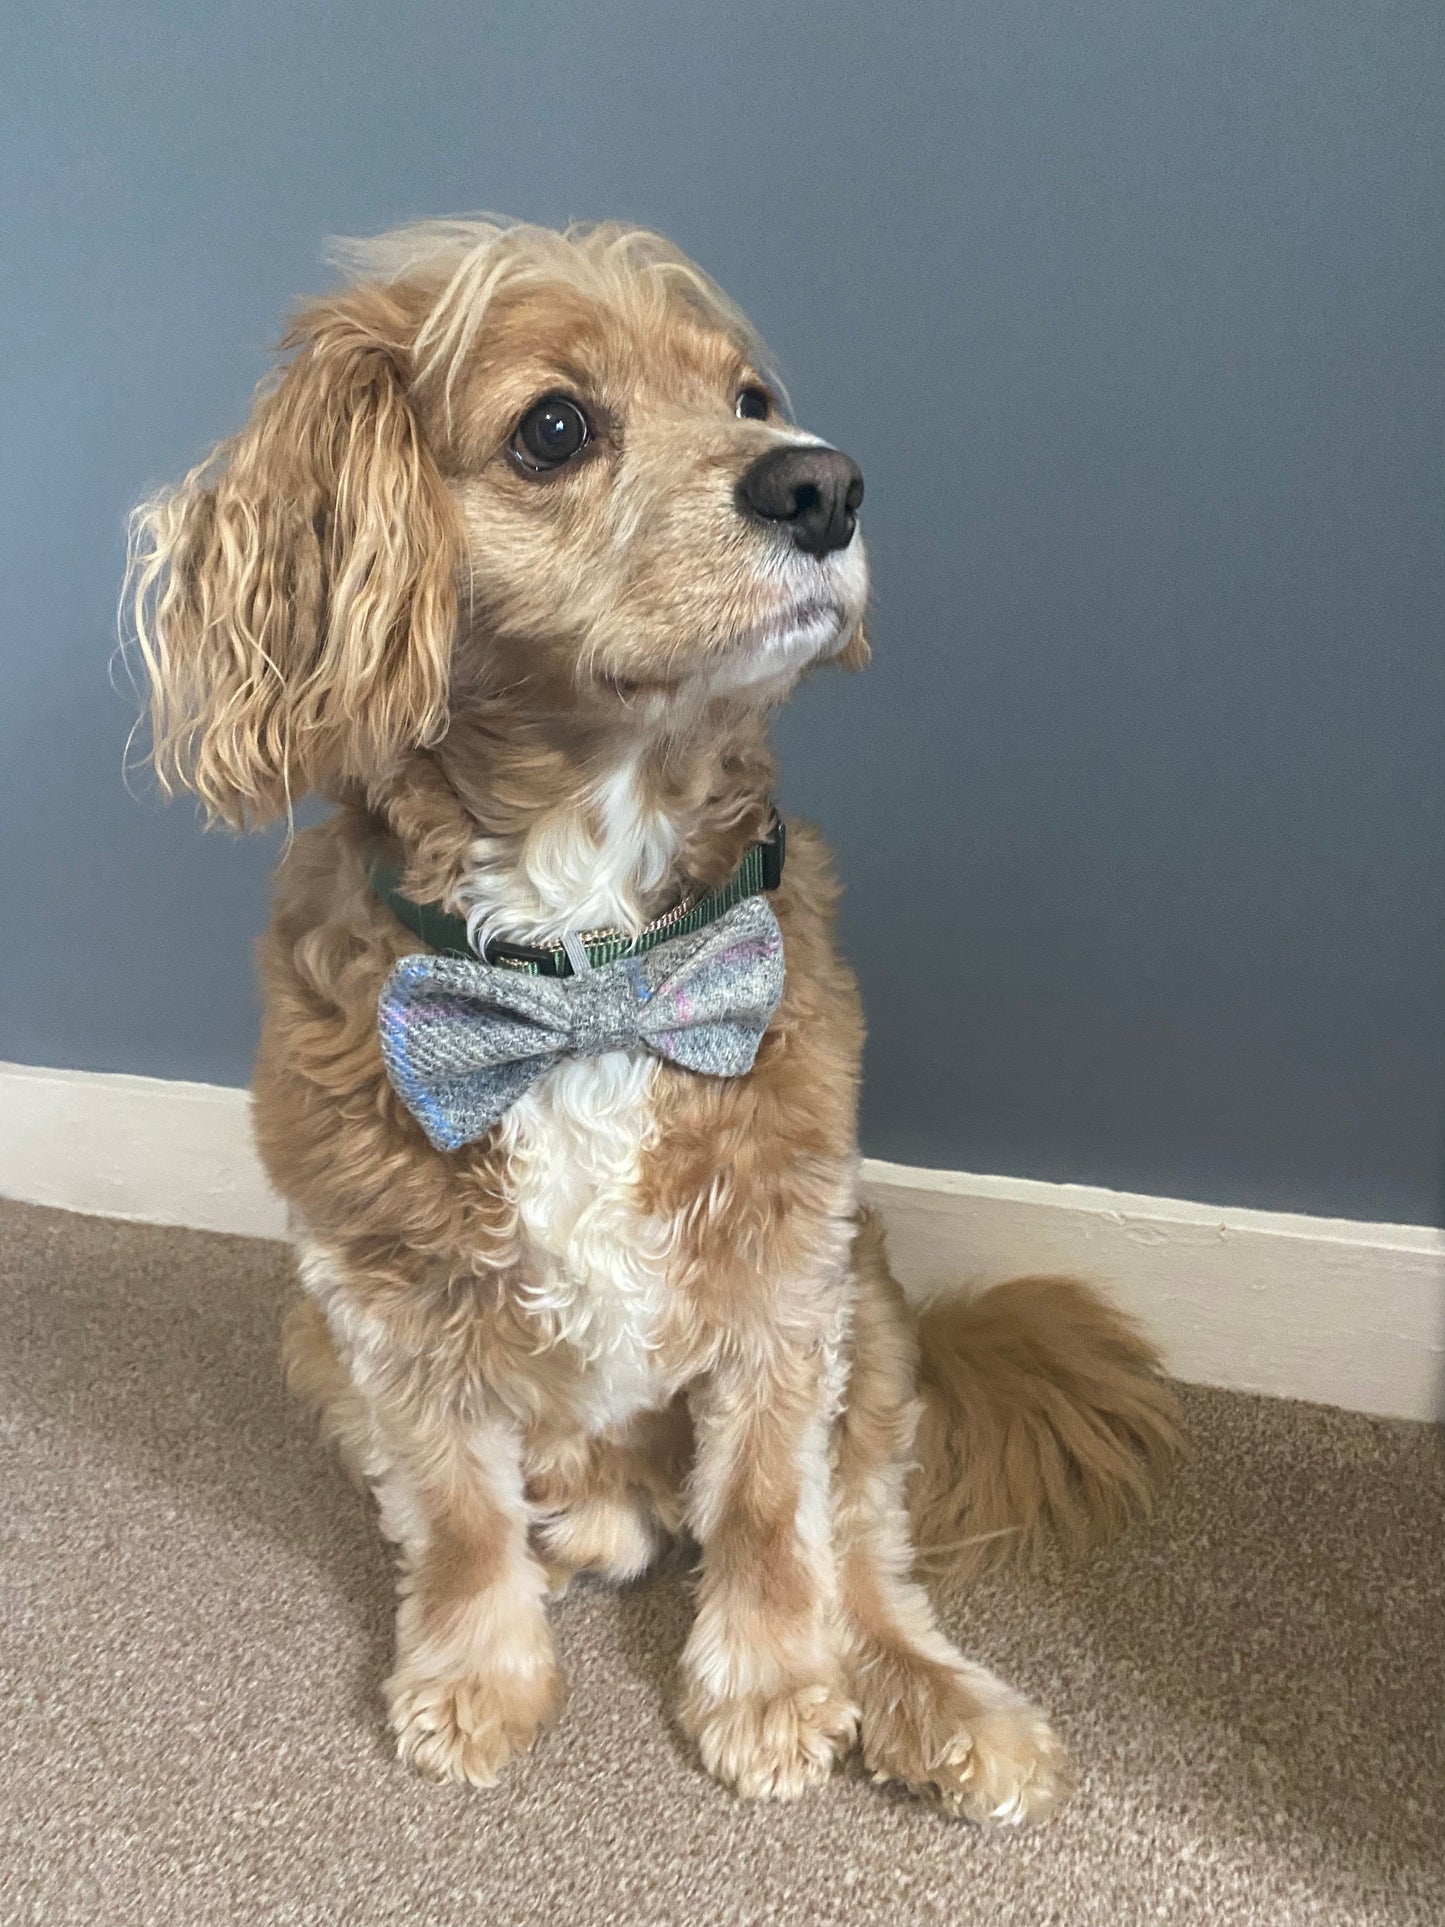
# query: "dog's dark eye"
[[754, 405], [551, 433]]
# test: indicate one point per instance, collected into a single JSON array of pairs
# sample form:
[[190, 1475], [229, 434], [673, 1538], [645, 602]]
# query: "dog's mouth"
[[772, 646], [783, 644], [812, 613], [631, 688]]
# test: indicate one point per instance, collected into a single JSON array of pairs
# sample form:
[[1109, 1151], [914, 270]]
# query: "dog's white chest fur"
[[597, 1263], [575, 1141]]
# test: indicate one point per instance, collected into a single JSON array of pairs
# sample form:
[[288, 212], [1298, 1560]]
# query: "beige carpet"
[[195, 1625]]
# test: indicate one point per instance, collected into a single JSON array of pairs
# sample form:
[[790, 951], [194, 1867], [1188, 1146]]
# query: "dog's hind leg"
[[929, 1718], [610, 1505]]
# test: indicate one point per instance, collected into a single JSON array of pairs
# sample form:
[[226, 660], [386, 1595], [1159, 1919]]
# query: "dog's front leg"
[[474, 1680], [763, 1694]]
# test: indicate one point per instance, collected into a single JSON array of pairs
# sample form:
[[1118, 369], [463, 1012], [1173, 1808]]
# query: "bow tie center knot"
[[605, 1006]]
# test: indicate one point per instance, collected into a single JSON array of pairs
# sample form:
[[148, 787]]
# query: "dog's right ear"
[[294, 599]]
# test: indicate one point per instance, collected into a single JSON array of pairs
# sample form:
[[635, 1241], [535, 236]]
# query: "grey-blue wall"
[[1131, 311]]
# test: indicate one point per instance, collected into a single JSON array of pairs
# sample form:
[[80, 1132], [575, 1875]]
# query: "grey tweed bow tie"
[[462, 1041]]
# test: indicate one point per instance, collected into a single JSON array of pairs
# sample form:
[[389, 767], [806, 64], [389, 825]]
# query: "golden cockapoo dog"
[[513, 560]]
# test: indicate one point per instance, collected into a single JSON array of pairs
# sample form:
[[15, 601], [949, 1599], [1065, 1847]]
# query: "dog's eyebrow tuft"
[[468, 261]]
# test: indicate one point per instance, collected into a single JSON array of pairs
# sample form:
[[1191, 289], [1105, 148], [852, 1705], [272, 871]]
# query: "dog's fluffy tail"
[[1046, 1416]]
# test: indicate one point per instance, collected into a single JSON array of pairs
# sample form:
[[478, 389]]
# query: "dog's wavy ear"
[[855, 654], [294, 599]]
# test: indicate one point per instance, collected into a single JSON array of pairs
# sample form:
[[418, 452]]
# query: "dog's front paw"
[[988, 1755], [467, 1727], [773, 1746]]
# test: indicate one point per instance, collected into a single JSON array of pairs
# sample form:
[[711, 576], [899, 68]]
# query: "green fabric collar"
[[761, 869]]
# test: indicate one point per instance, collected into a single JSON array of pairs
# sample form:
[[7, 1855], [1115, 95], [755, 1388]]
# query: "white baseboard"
[[148, 1148], [1315, 1308], [1327, 1309]]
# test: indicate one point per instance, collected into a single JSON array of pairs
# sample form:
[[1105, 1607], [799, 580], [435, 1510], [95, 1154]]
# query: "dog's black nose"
[[815, 491]]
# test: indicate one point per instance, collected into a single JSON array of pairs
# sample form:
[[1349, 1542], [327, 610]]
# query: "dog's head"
[[503, 466]]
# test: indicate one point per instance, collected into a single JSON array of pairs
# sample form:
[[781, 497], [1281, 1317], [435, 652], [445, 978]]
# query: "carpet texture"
[[196, 1618]]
